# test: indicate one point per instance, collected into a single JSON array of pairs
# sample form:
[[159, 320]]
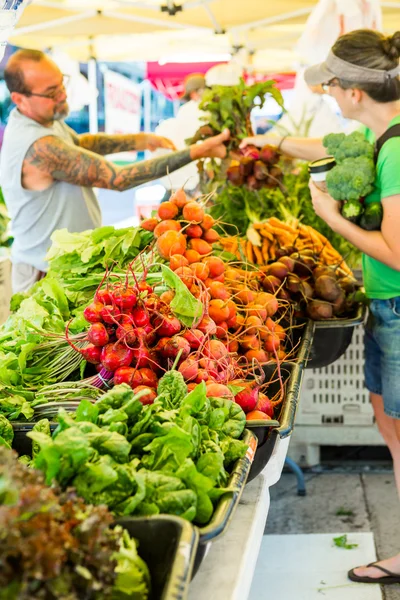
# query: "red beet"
[[140, 317], [167, 326], [147, 398], [173, 346], [189, 369], [260, 170], [114, 356], [265, 405], [97, 334], [246, 166], [92, 313], [104, 296], [149, 378], [110, 314], [91, 354], [125, 299], [141, 356], [124, 375], [269, 155], [195, 337], [247, 398]]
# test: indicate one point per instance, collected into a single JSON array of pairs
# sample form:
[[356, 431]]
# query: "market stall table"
[[227, 571]]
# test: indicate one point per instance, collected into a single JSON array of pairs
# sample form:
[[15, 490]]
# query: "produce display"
[[153, 348], [54, 546]]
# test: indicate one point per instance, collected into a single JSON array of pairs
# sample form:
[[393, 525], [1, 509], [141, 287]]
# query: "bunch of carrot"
[[265, 240]]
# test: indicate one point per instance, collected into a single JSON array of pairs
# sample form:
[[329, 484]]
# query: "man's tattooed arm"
[[102, 143], [66, 162]]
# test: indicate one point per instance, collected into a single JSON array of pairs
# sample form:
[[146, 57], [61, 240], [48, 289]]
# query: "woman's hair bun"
[[391, 46]]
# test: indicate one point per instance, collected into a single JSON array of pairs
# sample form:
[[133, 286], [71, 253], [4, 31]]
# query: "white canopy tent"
[[265, 33]]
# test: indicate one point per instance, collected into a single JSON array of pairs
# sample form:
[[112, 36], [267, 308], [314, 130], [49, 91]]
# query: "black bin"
[[168, 545]]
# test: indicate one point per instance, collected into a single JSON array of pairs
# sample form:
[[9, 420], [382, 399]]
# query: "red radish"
[[185, 274], [219, 292], [189, 369], [193, 212], [218, 390], [257, 415], [97, 334], [211, 236], [207, 222], [167, 326], [140, 356], [200, 270], [168, 225], [171, 242], [125, 299], [149, 378], [167, 210], [265, 405], [117, 355], [272, 342], [104, 296], [218, 311], [174, 345], [215, 349], [247, 398], [92, 313], [195, 337], [140, 317], [194, 231], [110, 314], [149, 224], [192, 256], [216, 265], [124, 375], [147, 398], [91, 354], [207, 325], [179, 198], [201, 246], [176, 261]]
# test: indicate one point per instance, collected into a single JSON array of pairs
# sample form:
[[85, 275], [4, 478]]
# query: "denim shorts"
[[382, 353]]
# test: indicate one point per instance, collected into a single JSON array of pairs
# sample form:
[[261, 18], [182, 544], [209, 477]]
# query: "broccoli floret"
[[342, 146], [352, 179]]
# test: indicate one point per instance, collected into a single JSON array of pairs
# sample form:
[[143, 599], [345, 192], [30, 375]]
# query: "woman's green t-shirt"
[[380, 281]]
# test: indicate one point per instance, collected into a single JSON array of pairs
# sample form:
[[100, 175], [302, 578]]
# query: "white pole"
[[93, 107], [146, 109]]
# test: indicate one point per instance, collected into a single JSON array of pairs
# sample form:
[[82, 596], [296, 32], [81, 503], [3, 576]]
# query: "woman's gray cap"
[[334, 66]]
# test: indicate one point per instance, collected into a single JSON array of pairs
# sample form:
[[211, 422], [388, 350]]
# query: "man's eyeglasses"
[[329, 84], [51, 95]]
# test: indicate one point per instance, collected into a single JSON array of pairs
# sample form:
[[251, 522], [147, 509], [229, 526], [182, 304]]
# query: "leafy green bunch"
[[168, 457], [354, 173], [229, 107], [54, 546]]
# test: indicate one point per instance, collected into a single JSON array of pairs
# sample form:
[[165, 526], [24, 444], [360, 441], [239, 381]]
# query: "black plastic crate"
[[332, 338], [267, 433], [21, 442], [168, 545]]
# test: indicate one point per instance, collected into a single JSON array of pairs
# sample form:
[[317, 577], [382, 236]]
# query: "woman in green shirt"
[[362, 73]]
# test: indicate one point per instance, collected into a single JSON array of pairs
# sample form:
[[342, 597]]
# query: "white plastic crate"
[[5, 288], [336, 394]]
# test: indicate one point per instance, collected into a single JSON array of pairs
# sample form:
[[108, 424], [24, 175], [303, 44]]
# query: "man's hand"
[[213, 147], [154, 141]]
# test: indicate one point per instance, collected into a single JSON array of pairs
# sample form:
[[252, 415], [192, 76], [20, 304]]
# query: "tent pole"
[[93, 106], [55, 22]]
